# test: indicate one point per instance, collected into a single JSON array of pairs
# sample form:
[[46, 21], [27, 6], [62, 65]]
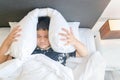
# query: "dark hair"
[[43, 23]]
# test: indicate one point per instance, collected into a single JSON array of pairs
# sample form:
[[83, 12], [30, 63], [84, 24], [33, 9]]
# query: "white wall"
[[110, 48], [112, 11]]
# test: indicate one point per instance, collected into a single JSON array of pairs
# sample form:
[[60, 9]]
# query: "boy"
[[43, 45]]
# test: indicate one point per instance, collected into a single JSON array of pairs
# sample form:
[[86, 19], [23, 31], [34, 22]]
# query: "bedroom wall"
[[109, 48]]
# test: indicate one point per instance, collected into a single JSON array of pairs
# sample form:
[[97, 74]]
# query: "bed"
[[91, 67], [71, 62]]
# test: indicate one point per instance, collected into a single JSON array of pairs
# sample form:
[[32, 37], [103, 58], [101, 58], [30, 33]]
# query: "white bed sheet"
[[34, 67], [89, 68], [112, 75], [40, 67]]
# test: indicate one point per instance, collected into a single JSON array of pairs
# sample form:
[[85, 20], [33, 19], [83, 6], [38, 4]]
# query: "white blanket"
[[89, 68], [34, 67], [40, 67]]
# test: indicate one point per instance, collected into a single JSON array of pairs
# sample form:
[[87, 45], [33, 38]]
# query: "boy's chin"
[[45, 48]]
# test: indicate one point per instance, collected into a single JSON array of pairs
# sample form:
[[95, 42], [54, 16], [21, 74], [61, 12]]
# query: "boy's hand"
[[8, 41], [12, 36], [68, 37]]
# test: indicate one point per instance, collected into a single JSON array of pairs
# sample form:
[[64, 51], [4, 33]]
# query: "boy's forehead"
[[42, 32]]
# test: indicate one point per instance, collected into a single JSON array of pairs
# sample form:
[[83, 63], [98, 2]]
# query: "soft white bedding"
[[89, 68], [112, 75], [40, 67], [34, 67]]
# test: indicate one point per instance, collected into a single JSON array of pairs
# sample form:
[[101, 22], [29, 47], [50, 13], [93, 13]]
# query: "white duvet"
[[40, 67], [34, 67]]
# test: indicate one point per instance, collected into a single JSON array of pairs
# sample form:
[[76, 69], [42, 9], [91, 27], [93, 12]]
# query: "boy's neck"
[[44, 48]]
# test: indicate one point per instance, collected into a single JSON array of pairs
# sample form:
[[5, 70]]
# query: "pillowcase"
[[57, 22], [27, 41]]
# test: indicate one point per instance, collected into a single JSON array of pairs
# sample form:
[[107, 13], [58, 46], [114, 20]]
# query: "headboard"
[[85, 11]]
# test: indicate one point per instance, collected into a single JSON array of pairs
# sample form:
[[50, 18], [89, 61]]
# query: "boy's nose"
[[42, 40]]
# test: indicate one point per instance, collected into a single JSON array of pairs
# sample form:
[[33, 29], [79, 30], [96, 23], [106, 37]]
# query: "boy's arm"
[[81, 49], [7, 43], [3, 49]]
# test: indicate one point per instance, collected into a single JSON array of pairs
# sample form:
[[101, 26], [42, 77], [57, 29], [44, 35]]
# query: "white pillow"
[[87, 38], [27, 41], [57, 22], [74, 26], [84, 34], [75, 29]]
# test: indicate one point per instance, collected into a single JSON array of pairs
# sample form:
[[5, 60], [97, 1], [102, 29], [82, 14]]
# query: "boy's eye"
[[38, 36], [46, 36]]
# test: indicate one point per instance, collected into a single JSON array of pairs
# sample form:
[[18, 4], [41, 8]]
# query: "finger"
[[65, 30], [17, 35], [71, 30], [66, 44], [62, 34], [15, 40], [63, 39], [17, 30]]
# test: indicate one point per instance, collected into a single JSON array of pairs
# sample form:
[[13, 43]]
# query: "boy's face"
[[42, 39]]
